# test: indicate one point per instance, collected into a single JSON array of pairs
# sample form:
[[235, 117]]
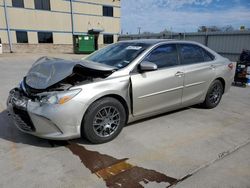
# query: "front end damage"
[[17, 107], [45, 103], [44, 119]]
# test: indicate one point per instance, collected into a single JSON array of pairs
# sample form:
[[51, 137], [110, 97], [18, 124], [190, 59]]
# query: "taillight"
[[231, 66]]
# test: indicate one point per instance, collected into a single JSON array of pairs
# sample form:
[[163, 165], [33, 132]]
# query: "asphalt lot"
[[192, 147]]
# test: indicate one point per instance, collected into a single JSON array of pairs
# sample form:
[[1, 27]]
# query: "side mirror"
[[147, 66]]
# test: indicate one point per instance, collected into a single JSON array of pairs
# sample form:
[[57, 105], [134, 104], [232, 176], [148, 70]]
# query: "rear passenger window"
[[190, 54], [164, 56], [207, 56]]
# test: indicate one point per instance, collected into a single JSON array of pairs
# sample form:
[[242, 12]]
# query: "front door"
[[159, 90]]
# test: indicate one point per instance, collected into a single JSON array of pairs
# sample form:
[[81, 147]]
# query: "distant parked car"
[[123, 82]]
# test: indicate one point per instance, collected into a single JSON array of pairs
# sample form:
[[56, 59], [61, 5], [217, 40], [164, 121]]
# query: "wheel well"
[[121, 100], [223, 83]]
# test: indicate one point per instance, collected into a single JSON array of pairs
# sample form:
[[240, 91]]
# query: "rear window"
[[190, 54], [207, 56]]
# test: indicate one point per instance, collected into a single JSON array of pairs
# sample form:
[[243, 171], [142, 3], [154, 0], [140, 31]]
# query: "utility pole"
[[7, 25], [139, 30], [72, 17], [206, 38], [171, 33]]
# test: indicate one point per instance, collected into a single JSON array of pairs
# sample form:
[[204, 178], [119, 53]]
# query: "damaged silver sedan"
[[123, 82]]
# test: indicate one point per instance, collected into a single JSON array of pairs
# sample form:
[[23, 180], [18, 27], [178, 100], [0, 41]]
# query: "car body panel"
[[197, 79], [156, 90], [46, 71]]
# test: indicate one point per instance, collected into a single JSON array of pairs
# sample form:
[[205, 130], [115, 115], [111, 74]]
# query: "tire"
[[214, 95], [103, 120]]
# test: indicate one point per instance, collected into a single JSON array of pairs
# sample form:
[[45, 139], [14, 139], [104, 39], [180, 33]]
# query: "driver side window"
[[164, 56]]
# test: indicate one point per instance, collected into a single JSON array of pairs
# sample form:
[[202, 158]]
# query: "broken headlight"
[[59, 97]]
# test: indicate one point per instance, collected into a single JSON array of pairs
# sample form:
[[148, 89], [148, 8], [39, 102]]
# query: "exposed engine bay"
[[53, 74]]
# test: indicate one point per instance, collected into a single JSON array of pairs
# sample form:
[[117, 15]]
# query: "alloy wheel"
[[106, 121], [215, 95]]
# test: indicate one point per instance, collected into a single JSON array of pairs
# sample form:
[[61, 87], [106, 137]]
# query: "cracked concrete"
[[210, 164], [209, 144], [232, 171]]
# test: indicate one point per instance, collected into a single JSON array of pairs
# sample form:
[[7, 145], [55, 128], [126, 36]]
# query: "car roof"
[[156, 41], [152, 42], [148, 41]]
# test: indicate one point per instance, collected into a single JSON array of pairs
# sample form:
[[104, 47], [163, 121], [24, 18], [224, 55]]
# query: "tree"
[[165, 31], [202, 29], [147, 33], [215, 28], [228, 28]]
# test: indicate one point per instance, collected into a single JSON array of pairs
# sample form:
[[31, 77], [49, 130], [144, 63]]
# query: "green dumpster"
[[84, 44]]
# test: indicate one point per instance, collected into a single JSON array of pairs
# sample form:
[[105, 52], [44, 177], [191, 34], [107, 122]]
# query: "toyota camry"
[[121, 83]]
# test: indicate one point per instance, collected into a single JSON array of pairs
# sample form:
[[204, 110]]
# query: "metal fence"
[[228, 44]]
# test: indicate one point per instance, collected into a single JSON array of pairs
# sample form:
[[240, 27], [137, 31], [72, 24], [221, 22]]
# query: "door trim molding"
[[194, 84], [161, 92]]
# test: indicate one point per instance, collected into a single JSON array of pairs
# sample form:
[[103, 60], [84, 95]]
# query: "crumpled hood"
[[46, 72]]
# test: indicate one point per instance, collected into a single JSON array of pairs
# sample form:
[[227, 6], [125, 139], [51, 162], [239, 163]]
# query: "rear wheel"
[[214, 94], [103, 120]]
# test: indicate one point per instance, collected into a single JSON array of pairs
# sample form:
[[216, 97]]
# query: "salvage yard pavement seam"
[[221, 155]]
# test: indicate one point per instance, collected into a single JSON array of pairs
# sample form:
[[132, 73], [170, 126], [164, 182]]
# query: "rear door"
[[161, 89], [199, 69]]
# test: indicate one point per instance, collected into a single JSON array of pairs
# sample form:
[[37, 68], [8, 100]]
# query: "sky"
[[182, 15]]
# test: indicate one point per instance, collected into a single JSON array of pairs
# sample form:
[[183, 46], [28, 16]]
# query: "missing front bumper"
[[17, 108]]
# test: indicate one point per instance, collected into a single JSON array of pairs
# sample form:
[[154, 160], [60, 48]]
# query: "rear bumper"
[[45, 121], [230, 78]]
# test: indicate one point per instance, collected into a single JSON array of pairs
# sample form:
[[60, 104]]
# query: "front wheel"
[[214, 94], [103, 120]]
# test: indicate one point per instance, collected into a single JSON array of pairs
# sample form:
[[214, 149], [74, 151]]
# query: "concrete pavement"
[[232, 171]]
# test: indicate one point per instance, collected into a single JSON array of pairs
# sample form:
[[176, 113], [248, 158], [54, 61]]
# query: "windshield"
[[118, 55]]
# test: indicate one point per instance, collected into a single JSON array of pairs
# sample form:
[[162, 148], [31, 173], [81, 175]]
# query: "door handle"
[[179, 74], [212, 67]]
